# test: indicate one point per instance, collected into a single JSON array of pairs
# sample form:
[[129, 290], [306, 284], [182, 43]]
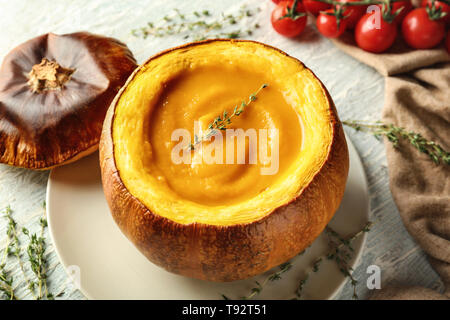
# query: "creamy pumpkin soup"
[[183, 89]]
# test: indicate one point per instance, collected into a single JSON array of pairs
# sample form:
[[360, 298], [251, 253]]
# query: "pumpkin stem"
[[48, 75]]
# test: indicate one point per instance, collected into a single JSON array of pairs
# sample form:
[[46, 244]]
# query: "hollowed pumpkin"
[[222, 222]]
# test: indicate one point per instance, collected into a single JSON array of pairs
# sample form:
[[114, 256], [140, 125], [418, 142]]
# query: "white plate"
[[85, 236]]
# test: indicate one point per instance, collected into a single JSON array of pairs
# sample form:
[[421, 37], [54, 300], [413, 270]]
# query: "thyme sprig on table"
[[340, 251], [198, 25], [13, 247], [35, 254], [6, 281], [394, 134], [301, 284], [6, 285], [285, 267], [38, 263], [222, 121]]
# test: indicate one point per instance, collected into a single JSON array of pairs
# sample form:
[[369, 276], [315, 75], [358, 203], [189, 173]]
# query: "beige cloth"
[[417, 97]]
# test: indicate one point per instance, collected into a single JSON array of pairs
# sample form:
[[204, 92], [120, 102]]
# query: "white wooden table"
[[357, 90]]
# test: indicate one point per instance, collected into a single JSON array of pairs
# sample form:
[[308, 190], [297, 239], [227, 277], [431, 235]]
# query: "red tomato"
[[327, 25], [373, 39], [353, 14], [445, 8], [276, 1], [286, 26], [315, 7], [420, 32], [447, 42], [407, 7]]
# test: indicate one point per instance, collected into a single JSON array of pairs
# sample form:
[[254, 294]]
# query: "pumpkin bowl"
[[223, 221]]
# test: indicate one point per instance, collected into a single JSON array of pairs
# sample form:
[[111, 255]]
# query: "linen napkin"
[[417, 97]]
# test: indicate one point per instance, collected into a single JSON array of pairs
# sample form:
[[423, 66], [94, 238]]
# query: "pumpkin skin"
[[228, 252], [41, 130]]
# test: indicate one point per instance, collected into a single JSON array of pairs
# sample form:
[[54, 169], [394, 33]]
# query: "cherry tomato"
[[420, 32], [314, 7], [373, 39], [276, 1], [353, 14], [287, 26], [445, 8], [327, 24], [447, 42], [407, 7]]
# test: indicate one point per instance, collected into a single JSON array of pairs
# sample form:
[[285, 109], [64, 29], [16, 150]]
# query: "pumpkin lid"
[[54, 93]]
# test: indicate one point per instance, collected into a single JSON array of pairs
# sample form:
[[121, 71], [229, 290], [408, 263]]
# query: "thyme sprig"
[[338, 252], [222, 121], [301, 284], [285, 267], [35, 253], [198, 25], [38, 263], [14, 249], [394, 134], [6, 285], [6, 281], [341, 251]]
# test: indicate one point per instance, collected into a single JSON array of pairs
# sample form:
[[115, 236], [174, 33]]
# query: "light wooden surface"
[[356, 89]]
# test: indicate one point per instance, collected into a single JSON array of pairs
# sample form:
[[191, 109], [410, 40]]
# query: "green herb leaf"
[[394, 134], [222, 122]]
